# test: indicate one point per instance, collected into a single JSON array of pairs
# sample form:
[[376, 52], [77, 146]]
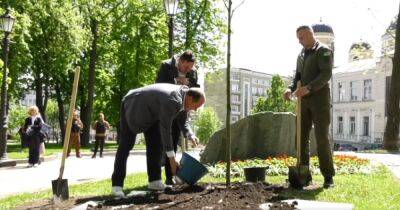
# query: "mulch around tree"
[[201, 196]]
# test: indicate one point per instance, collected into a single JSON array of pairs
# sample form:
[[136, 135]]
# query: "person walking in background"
[[32, 127], [179, 70], [101, 126], [75, 138], [314, 70]]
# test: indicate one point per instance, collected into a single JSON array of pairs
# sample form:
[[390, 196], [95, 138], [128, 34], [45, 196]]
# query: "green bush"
[[207, 124]]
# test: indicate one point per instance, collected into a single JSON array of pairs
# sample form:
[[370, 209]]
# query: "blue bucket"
[[191, 170]]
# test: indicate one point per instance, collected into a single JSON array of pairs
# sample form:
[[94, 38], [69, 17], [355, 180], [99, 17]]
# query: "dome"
[[361, 45], [322, 28]]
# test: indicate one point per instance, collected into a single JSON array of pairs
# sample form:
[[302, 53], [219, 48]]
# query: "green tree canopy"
[[207, 124], [274, 101]]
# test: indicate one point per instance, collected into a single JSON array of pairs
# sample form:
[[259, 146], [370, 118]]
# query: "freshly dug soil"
[[202, 196]]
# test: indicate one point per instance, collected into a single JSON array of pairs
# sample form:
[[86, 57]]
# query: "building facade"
[[246, 87], [360, 90]]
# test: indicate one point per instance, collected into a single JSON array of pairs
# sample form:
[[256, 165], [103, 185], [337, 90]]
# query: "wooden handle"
[[298, 126], [69, 121]]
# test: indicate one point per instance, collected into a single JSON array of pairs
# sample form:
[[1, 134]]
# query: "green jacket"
[[314, 68]]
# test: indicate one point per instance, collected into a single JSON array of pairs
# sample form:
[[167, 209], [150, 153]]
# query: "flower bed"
[[344, 164]]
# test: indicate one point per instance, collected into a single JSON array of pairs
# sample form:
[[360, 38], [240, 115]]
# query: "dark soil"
[[202, 196]]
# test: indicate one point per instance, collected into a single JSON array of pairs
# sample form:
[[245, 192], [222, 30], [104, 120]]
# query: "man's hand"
[[302, 91], [182, 80], [175, 166], [287, 94], [194, 140]]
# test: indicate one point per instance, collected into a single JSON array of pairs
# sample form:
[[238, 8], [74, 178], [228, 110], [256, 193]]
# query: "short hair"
[[187, 56], [101, 115], [196, 94], [304, 27]]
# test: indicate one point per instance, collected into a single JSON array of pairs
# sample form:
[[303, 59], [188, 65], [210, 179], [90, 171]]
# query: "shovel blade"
[[299, 176], [60, 188]]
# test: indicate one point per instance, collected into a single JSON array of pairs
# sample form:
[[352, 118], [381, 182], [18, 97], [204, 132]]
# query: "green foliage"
[[344, 164], [16, 117], [52, 113], [207, 123], [275, 101]]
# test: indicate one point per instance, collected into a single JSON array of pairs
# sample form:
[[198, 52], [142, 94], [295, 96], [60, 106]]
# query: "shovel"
[[299, 175], [60, 185]]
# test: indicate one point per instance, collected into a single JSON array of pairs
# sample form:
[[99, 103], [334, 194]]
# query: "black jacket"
[[168, 72]]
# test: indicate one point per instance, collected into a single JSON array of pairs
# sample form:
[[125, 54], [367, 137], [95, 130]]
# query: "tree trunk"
[[92, 75], [39, 92], [61, 112], [228, 100], [391, 136]]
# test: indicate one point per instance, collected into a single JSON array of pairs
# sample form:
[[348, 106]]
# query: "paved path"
[[77, 170]]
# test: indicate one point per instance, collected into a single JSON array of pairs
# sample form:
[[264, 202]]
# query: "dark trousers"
[[316, 110], [34, 150], [175, 133], [154, 151], [99, 142]]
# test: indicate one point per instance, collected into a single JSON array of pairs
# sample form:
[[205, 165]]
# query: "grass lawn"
[[379, 190], [14, 149]]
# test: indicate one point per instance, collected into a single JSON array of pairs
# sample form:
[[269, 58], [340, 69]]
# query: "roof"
[[355, 66], [322, 28]]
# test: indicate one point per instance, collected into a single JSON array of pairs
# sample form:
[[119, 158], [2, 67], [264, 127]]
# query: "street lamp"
[[171, 7], [7, 22]]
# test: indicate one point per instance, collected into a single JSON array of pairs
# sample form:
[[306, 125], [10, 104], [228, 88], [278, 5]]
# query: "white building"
[[360, 90], [29, 99]]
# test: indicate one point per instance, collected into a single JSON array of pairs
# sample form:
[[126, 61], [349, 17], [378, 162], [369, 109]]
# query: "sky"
[[264, 32]]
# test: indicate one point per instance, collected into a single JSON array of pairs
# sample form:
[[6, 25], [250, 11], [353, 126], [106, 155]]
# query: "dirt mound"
[[202, 196]]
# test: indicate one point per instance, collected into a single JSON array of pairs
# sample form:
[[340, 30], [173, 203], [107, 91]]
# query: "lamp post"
[[171, 7], [7, 22]]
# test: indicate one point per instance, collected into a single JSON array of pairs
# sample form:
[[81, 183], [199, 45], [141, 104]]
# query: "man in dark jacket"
[[151, 110], [314, 70], [178, 70]]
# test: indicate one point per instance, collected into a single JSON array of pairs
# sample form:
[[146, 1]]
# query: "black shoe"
[[328, 182], [169, 182]]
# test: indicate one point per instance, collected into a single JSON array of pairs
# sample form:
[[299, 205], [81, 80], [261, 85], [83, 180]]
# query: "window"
[[340, 125], [341, 91], [367, 89], [254, 90], [352, 125], [235, 76], [260, 91], [246, 96], [234, 118], [366, 126], [235, 108], [235, 98], [235, 87], [353, 93]]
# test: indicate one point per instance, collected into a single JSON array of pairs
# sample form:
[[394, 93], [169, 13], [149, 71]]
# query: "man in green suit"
[[314, 70]]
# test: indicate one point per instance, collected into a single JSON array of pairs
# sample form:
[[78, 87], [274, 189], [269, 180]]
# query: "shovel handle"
[[69, 121], [298, 126]]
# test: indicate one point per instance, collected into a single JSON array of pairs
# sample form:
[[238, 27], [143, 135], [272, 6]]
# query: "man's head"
[[101, 116], [194, 99], [306, 37], [186, 62]]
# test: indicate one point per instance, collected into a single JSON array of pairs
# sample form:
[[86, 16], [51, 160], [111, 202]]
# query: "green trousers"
[[315, 110]]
